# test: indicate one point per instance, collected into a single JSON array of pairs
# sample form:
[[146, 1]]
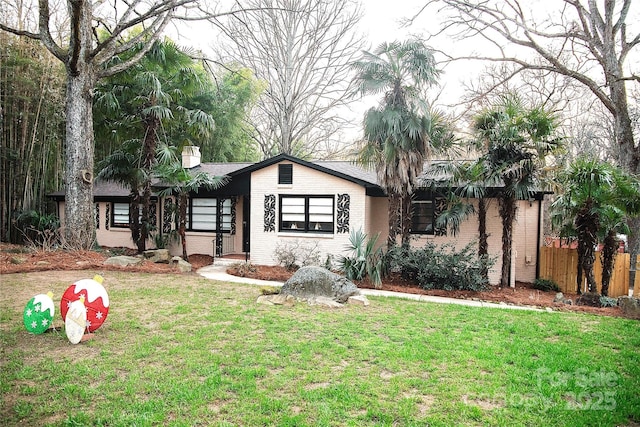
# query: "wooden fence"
[[561, 266], [636, 283]]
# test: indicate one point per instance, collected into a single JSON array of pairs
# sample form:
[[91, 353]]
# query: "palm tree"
[[613, 223], [155, 100], [595, 204], [398, 133], [465, 182], [180, 182], [123, 166], [516, 141], [625, 204]]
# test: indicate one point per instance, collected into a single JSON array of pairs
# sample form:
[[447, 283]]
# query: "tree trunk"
[[405, 221], [134, 219], [149, 144], [508, 214], [587, 225], [608, 255], [580, 270], [483, 244], [182, 221], [80, 227], [629, 152], [588, 259], [394, 210], [633, 245]]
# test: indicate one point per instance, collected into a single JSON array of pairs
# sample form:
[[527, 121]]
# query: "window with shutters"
[[202, 214], [307, 214], [120, 215]]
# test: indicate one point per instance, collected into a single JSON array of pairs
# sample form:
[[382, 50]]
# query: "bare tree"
[[588, 41], [302, 49], [586, 125], [95, 32]]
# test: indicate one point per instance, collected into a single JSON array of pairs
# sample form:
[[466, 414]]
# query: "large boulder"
[[158, 255], [312, 282], [591, 299], [122, 260], [181, 264], [630, 306]]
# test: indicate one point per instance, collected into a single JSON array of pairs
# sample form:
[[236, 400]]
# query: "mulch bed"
[[18, 259]]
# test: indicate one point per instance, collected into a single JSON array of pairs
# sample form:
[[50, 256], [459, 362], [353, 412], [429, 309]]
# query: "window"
[[120, 215], [311, 214], [285, 174], [422, 218], [202, 215]]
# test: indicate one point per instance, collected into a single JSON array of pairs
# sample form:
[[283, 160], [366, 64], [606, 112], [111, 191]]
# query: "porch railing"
[[228, 245]]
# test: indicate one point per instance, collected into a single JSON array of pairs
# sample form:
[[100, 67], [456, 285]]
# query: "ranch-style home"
[[285, 200]]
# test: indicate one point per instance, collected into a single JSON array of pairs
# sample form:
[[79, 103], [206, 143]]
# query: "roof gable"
[[341, 169]]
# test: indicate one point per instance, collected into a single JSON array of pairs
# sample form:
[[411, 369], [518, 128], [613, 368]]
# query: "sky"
[[382, 23]]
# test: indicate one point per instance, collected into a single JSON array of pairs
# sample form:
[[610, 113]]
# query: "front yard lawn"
[[182, 350]]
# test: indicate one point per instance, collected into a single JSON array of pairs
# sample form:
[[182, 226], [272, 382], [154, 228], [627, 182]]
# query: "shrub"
[[162, 241], [608, 301], [40, 231], [328, 263], [296, 254], [546, 285], [365, 259], [433, 267], [242, 269]]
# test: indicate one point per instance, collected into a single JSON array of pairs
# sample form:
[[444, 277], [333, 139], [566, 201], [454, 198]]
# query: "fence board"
[[636, 283], [561, 266]]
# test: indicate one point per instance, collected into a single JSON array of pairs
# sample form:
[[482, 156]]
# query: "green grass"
[[180, 350]]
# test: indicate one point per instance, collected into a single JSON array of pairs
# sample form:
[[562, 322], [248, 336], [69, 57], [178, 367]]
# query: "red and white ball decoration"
[[96, 300]]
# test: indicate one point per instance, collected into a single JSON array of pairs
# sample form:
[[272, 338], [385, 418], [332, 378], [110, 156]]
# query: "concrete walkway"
[[218, 272]]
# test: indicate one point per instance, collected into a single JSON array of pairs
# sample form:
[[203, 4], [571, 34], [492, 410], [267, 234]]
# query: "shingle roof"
[[100, 189], [342, 169], [219, 169], [350, 169]]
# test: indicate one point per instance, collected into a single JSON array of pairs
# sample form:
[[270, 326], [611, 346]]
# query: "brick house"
[[285, 200]]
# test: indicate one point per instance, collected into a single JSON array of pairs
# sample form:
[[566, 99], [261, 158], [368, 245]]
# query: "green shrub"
[[546, 285], [608, 301], [162, 241], [41, 231], [433, 267], [365, 260]]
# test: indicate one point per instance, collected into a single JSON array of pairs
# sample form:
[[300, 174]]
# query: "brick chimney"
[[190, 156]]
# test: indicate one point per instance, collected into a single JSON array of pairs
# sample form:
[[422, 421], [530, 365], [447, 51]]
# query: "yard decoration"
[[95, 298], [76, 321], [38, 313]]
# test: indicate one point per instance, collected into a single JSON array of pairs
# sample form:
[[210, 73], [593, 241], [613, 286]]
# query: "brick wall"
[[306, 181]]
